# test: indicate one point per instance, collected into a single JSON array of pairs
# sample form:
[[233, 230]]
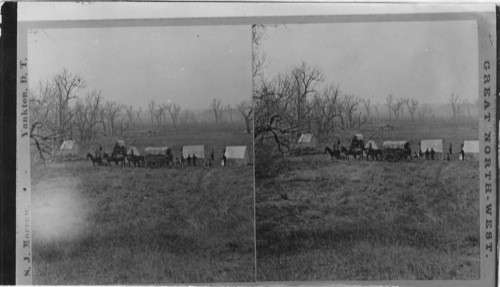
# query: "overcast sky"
[[424, 60], [188, 65]]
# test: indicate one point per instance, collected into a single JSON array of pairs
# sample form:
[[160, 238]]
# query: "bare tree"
[[396, 108], [404, 102], [130, 113], [424, 112], [389, 103], [87, 115], [51, 110], [151, 107], [110, 113], [246, 110], [174, 110], [217, 109], [275, 120], [455, 105], [375, 106], [259, 58], [305, 80], [67, 86], [158, 113], [366, 104], [412, 108], [228, 110], [324, 111], [138, 113], [347, 108], [44, 130]]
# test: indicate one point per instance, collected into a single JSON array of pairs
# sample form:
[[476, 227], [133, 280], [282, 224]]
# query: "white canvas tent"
[[307, 141], [69, 148], [471, 148], [437, 145], [396, 145], [198, 150], [374, 144], [237, 155], [164, 150]]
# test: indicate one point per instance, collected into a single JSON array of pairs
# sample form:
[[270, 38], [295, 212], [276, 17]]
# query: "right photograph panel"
[[366, 151]]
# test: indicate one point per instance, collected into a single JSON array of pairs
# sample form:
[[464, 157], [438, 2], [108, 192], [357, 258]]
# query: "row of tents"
[[470, 147], [236, 155]]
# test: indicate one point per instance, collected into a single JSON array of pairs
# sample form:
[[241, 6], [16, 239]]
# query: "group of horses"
[[358, 150], [121, 158]]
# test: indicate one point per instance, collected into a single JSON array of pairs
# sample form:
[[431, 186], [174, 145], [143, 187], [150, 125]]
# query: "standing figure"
[[450, 149], [194, 159], [224, 158], [427, 154], [432, 153], [189, 160]]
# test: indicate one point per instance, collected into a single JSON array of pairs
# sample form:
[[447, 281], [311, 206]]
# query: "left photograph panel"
[[141, 152]]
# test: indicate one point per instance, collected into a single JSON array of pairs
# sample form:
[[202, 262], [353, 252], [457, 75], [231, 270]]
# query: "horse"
[[94, 159], [355, 152], [332, 153], [376, 154], [137, 160], [114, 158], [107, 158]]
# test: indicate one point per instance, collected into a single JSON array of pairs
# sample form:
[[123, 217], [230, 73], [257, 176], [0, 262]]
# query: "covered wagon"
[[158, 156], [119, 148], [357, 142], [396, 150]]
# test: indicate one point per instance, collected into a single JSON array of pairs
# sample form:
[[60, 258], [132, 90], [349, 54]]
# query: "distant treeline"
[[58, 111]]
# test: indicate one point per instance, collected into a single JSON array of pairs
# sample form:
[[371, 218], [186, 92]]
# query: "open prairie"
[[131, 225], [325, 219]]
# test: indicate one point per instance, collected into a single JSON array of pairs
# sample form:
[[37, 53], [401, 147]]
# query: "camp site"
[[128, 181], [366, 168]]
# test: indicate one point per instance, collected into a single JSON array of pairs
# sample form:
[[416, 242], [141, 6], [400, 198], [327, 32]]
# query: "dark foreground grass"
[[356, 220], [120, 225]]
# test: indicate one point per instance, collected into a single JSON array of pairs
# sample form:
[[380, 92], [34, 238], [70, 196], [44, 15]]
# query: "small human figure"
[[427, 154], [224, 160], [189, 160], [462, 153], [98, 152], [183, 160], [194, 159], [212, 155], [432, 153], [450, 149]]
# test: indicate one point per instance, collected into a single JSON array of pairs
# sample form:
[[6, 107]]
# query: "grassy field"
[[126, 225], [322, 219]]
